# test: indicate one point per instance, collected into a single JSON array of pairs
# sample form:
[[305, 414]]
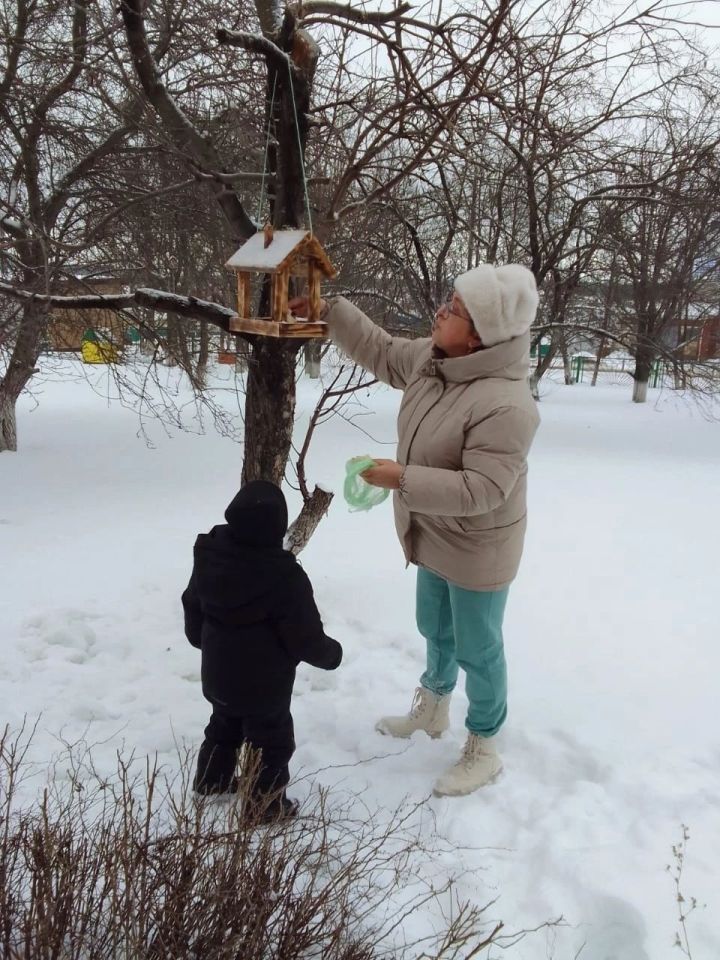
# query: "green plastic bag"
[[360, 495]]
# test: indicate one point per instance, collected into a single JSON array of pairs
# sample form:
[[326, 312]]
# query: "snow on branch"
[[348, 12], [191, 307], [13, 227], [230, 177], [255, 43], [242, 175], [83, 302]]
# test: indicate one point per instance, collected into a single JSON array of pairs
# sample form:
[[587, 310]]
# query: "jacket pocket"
[[486, 521], [451, 524]]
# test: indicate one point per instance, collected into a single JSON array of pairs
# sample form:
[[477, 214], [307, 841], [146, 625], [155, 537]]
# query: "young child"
[[249, 607]]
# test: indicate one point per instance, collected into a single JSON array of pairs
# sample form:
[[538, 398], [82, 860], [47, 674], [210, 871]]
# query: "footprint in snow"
[[68, 630], [87, 712]]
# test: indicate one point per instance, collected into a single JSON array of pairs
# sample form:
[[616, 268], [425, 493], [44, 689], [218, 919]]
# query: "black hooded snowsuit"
[[249, 607]]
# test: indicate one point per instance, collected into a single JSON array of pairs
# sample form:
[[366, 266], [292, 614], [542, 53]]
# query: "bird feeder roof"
[[284, 247]]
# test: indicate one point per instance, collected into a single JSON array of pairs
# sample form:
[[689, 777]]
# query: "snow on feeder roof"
[[282, 254]]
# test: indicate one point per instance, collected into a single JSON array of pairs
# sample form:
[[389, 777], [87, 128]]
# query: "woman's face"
[[453, 331]]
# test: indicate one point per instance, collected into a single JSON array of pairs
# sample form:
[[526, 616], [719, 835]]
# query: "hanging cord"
[[267, 150], [300, 149]]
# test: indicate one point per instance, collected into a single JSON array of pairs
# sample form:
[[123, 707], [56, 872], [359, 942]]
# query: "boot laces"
[[421, 703], [473, 747]]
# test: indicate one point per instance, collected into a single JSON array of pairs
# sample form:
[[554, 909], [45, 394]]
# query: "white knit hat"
[[501, 300]]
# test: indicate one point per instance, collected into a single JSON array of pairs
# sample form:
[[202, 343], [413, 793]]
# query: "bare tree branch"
[[163, 300], [182, 131], [255, 43], [13, 227], [347, 12]]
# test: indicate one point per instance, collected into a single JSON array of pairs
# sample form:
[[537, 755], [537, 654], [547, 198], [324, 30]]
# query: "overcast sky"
[[706, 11]]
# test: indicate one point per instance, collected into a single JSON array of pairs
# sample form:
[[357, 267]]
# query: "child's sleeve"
[[193, 613], [301, 629]]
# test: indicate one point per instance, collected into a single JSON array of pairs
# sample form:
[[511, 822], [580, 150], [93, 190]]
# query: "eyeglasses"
[[446, 307]]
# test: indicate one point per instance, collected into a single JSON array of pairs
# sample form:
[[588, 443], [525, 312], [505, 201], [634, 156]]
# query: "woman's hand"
[[386, 473], [300, 306]]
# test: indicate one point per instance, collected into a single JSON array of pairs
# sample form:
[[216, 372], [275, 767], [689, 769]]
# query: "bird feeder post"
[[313, 293], [280, 285], [243, 295]]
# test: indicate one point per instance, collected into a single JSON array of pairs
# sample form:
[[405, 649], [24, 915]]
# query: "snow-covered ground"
[[611, 635]]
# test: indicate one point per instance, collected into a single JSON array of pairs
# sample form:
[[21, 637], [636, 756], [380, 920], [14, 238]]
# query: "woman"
[[465, 426]]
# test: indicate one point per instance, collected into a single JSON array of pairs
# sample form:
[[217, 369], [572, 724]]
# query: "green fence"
[[579, 364]]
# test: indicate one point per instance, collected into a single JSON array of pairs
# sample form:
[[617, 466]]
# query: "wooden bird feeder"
[[282, 254]]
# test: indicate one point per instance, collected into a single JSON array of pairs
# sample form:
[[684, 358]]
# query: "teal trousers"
[[463, 628]]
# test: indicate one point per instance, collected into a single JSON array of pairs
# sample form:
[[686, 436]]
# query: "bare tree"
[[417, 87], [404, 107], [64, 116], [535, 170], [577, 100], [668, 240], [414, 148]]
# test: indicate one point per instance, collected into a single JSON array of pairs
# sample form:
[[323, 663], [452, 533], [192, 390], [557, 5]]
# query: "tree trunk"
[[270, 399], [542, 366], [8, 424], [598, 361], [203, 353], [242, 355], [640, 389], [269, 410], [567, 367], [680, 376], [641, 375], [20, 369], [305, 524], [270, 396], [312, 354], [607, 316]]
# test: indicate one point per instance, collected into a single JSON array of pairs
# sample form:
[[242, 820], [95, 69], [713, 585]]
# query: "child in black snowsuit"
[[249, 607]]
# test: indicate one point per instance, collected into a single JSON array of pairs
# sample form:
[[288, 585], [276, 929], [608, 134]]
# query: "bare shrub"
[[135, 867], [685, 905]]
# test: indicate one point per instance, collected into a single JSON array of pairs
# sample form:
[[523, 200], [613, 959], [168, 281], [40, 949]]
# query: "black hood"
[[232, 575], [258, 515]]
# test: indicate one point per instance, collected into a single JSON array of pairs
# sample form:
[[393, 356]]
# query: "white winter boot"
[[429, 712], [478, 765]]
